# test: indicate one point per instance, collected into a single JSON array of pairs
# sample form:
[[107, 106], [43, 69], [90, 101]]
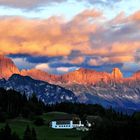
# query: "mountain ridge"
[[7, 67], [80, 76], [44, 91], [86, 86]]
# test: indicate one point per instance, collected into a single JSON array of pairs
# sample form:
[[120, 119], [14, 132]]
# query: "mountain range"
[[46, 92], [82, 85]]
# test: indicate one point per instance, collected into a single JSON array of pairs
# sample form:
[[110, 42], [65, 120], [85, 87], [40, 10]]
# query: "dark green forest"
[[113, 125]]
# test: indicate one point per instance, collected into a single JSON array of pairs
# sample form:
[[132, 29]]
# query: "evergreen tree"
[[15, 136], [24, 98], [7, 132], [39, 121], [27, 134], [34, 136], [2, 134], [34, 98]]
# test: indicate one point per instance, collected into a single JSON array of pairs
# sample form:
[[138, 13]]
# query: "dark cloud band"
[[31, 4]]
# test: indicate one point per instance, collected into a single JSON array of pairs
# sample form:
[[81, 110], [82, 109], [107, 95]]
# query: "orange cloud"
[[18, 35], [122, 59], [110, 60], [88, 33], [121, 18], [125, 48], [43, 37], [43, 66], [86, 15], [77, 60], [136, 16]]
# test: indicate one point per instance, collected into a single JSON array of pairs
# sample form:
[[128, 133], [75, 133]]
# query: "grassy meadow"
[[44, 132]]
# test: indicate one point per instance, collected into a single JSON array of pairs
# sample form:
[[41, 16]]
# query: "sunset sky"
[[59, 36]]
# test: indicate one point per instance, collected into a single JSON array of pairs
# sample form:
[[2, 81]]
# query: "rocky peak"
[[7, 67], [136, 75], [117, 74], [84, 76], [84, 71], [2, 56], [39, 75]]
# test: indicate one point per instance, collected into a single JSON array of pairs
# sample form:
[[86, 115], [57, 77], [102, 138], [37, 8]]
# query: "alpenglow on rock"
[[80, 76], [117, 74], [87, 86], [7, 67]]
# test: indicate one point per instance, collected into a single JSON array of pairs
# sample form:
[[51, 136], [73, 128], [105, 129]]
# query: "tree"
[[7, 132], [2, 134], [27, 134], [34, 137], [34, 98], [15, 136], [39, 121]]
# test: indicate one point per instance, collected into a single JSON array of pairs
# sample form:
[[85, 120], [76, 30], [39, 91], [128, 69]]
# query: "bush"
[[2, 117], [39, 122]]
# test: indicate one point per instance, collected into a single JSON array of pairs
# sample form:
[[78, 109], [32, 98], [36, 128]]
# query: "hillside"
[[44, 132]]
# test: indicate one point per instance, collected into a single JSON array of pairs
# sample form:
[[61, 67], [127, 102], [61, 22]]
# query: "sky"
[[59, 36]]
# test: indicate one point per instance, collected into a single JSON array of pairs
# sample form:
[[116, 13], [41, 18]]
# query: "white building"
[[66, 122]]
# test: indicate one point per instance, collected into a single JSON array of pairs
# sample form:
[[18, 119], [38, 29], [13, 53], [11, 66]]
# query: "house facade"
[[66, 122]]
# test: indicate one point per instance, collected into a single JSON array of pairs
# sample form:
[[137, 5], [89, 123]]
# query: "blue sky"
[[69, 8], [59, 36]]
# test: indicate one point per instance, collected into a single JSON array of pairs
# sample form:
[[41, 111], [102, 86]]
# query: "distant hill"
[[46, 92]]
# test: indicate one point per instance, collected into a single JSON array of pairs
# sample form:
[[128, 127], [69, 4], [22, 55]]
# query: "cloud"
[[77, 60], [43, 66], [135, 16], [131, 67], [59, 50], [32, 37], [50, 37], [87, 40], [98, 61], [26, 4], [104, 2], [62, 70], [22, 63], [57, 70], [33, 4]]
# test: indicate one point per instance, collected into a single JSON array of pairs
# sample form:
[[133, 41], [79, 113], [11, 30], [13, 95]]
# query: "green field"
[[18, 125]]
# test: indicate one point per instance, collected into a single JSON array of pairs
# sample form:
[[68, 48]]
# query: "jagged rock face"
[[85, 76], [117, 74], [39, 75], [81, 76], [136, 75], [88, 86], [7, 67]]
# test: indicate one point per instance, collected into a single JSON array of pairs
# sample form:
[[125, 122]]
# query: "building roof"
[[65, 117], [92, 119]]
